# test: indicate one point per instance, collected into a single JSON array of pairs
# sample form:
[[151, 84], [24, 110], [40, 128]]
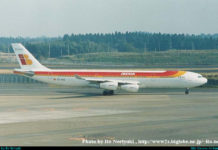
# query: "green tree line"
[[138, 42]]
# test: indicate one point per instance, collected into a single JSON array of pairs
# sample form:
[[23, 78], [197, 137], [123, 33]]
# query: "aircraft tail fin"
[[26, 60]]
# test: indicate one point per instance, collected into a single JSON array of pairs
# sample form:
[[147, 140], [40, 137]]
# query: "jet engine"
[[130, 87], [109, 85]]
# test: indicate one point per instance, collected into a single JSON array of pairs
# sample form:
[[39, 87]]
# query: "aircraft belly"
[[143, 82], [156, 82], [153, 82], [68, 81], [165, 83], [162, 83]]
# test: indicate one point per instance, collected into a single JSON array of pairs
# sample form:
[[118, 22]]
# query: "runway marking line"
[[22, 110], [79, 109], [76, 139], [48, 109]]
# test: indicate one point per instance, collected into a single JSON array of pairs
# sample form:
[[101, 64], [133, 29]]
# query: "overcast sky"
[[32, 18]]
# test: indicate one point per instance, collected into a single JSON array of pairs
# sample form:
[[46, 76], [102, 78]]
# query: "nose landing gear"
[[187, 91]]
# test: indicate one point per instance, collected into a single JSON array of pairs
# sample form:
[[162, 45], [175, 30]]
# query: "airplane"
[[108, 80]]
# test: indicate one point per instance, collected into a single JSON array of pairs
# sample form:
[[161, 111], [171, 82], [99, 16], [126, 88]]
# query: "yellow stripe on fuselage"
[[178, 74]]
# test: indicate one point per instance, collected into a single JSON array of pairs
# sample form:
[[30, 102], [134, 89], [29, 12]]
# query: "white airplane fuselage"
[[109, 80], [185, 80]]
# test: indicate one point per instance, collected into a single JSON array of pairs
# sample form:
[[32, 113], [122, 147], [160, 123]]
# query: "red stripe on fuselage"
[[107, 74]]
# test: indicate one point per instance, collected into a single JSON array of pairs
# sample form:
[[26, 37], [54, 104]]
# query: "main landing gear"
[[108, 92], [187, 91]]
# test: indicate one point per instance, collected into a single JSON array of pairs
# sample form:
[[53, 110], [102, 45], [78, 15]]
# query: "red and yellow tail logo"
[[24, 58]]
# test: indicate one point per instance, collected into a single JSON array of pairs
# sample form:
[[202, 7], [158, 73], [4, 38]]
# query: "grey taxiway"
[[41, 115]]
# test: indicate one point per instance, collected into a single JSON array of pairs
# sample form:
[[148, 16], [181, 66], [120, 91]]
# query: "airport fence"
[[13, 78]]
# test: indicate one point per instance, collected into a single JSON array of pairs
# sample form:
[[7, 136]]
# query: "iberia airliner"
[[108, 80]]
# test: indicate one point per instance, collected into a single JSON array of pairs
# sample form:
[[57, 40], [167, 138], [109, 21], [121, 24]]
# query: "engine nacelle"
[[130, 87], [109, 85]]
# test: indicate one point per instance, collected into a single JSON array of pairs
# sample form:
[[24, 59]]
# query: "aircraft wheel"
[[111, 92], [106, 92], [187, 91]]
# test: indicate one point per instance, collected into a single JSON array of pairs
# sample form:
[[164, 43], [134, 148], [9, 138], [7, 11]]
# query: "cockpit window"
[[199, 76]]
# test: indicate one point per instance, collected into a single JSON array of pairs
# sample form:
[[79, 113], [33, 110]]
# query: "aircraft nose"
[[204, 80]]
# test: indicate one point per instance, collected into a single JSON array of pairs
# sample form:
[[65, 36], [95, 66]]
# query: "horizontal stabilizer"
[[24, 73]]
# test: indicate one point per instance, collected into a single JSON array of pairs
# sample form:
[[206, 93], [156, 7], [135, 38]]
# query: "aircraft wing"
[[95, 81]]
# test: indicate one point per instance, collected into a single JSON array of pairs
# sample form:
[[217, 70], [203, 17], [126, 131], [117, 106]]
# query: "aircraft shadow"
[[97, 94], [82, 95], [149, 94]]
